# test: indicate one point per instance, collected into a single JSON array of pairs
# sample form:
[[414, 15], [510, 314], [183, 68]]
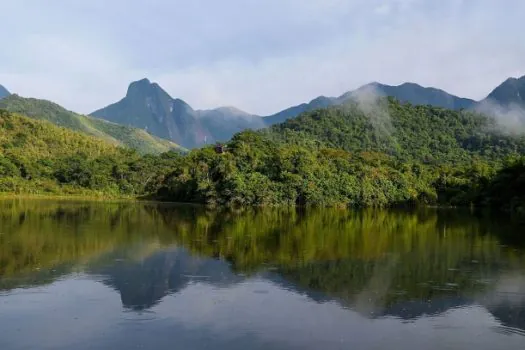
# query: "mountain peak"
[[143, 88], [143, 81], [149, 107], [4, 92], [412, 85], [231, 110], [373, 84], [513, 80], [511, 91], [138, 86], [416, 94]]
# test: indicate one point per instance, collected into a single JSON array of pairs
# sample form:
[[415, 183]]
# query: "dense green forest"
[[427, 134], [37, 157], [382, 153], [115, 133], [377, 153]]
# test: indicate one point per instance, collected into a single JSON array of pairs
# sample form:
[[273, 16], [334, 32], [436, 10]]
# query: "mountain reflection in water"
[[391, 265]]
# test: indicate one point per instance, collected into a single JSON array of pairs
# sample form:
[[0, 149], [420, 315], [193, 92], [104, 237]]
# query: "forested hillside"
[[41, 158], [408, 92], [362, 154], [118, 134], [421, 133], [506, 190], [381, 154]]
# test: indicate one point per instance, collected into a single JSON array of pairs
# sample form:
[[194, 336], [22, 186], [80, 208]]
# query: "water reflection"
[[405, 265], [142, 284]]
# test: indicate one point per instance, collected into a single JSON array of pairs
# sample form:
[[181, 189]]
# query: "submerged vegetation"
[[365, 153]]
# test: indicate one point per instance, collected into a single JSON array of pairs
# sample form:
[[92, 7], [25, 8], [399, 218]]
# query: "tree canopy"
[[379, 153]]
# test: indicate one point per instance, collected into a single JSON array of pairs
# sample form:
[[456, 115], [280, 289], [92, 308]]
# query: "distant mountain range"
[[292, 112], [151, 109], [148, 106], [407, 92], [114, 133]]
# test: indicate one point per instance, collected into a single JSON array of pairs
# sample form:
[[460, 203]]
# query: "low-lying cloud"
[[508, 119], [375, 107]]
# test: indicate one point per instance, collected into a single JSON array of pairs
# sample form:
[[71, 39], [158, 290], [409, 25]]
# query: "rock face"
[[149, 107], [4, 92]]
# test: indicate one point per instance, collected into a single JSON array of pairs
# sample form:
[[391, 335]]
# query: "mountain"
[[32, 138], [147, 106], [4, 92], [292, 112], [38, 157], [369, 152], [424, 133], [114, 133], [31, 151], [419, 95], [407, 92], [223, 122], [510, 92], [506, 103]]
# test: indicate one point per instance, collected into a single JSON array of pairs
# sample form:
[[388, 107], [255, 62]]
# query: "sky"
[[258, 55]]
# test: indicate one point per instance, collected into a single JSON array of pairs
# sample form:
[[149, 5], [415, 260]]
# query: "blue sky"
[[258, 55]]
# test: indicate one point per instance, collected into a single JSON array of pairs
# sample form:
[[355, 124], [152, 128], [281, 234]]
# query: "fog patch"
[[374, 105], [507, 119]]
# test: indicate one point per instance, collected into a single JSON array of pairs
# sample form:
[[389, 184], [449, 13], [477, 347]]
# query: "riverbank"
[[85, 197]]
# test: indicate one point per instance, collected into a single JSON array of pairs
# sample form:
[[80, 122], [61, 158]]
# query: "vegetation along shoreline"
[[336, 156]]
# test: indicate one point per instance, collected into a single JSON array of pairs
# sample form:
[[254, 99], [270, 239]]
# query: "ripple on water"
[[508, 330], [132, 316]]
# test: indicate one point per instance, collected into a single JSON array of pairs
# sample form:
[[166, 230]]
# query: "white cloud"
[[383, 9], [260, 58]]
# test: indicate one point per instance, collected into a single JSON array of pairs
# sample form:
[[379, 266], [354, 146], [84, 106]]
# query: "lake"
[[92, 275]]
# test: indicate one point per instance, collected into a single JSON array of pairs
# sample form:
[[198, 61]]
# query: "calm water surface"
[[148, 276]]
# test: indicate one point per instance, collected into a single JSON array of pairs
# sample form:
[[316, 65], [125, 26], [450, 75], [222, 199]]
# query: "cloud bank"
[[258, 56]]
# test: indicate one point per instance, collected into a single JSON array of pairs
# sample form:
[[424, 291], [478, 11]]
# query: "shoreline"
[[96, 198], [80, 197], [4, 196], [91, 198]]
